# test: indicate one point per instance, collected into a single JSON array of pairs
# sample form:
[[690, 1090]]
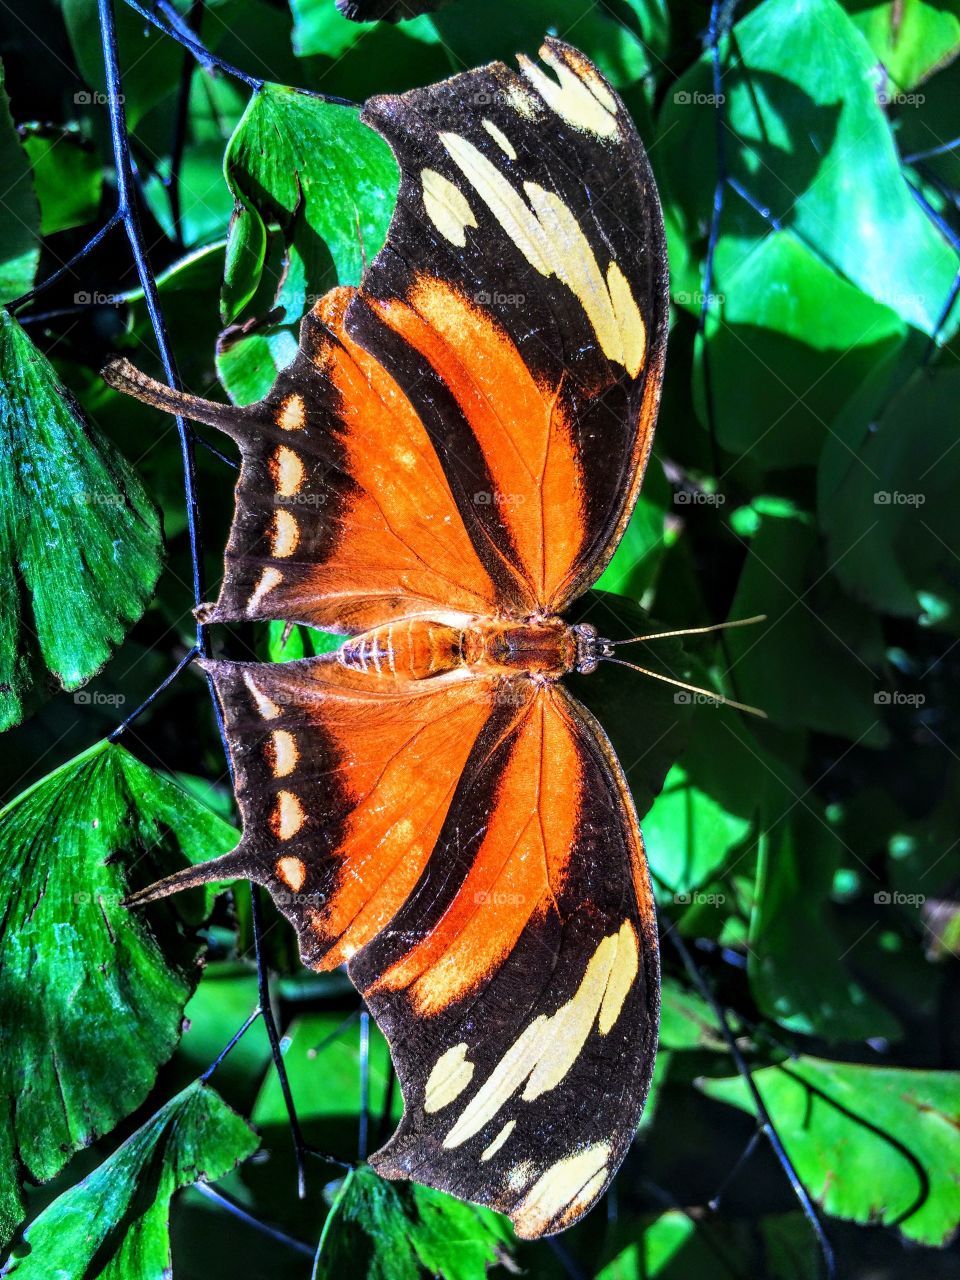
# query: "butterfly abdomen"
[[399, 652]]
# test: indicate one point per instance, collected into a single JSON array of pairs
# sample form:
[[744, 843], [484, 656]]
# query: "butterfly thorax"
[[421, 648]]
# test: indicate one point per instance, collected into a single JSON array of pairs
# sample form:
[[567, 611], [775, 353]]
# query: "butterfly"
[[449, 461]]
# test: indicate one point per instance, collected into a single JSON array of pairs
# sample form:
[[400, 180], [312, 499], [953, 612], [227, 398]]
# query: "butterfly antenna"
[[709, 694], [690, 631]]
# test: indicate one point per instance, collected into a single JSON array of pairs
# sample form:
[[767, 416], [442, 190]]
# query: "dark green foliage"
[[806, 467]]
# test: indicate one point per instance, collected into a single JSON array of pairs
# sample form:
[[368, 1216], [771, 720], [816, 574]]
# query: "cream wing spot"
[[564, 1189], [286, 471], [503, 201], [282, 753], [499, 1140], [287, 817], [543, 1054], [451, 1074], [269, 579], [551, 239], [285, 535], [587, 105], [633, 332], [501, 139], [292, 872], [447, 207], [623, 974], [266, 706], [292, 414]]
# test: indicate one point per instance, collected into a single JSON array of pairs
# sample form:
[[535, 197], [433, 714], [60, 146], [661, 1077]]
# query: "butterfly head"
[[591, 648]]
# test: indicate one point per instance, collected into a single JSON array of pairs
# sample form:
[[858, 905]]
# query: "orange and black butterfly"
[[450, 460]]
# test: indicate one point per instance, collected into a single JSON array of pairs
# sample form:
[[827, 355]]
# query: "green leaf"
[[635, 563], [319, 29], [871, 1144], [831, 686], [809, 142], [248, 364], [795, 870], [689, 835], [150, 62], [114, 1225], [79, 540], [509, 28], [887, 502], [67, 177], [686, 1020], [328, 181], [792, 330], [386, 1231], [19, 212], [322, 1055], [83, 979], [912, 38], [679, 1245]]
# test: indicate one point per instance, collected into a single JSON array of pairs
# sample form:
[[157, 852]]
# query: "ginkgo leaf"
[[80, 540], [325, 179], [82, 978], [19, 210], [114, 1225], [873, 1144], [385, 1231]]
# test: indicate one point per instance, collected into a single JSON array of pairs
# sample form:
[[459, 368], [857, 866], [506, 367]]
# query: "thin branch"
[[231, 1043], [128, 212], [88, 248], [364, 1123], [273, 1035], [178, 31], [185, 661], [264, 1228], [763, 1115]]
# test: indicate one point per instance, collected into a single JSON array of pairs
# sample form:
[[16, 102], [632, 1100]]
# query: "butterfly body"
[[413, 649]]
